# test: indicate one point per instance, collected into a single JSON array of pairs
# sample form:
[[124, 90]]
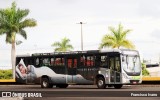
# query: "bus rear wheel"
[[45, 83], [101, 83], [62, 85], [118, 86]]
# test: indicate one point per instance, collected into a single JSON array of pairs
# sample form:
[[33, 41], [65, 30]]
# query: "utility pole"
[[81, 35]]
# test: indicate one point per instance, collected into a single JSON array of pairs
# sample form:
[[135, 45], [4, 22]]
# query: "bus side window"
[[52, 61], [69, 63], [82, 62], [104, 62], [46, 62], [89, 61], [92, 59], [75, 63], [37, 62], [59, 62]]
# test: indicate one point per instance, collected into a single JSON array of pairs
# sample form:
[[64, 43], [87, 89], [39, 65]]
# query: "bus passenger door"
[[115, 70], [71, 70], [111, 67]]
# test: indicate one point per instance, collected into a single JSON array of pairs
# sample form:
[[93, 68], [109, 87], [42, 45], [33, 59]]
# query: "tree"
[[12, 22], [117, 38], [63, 45]]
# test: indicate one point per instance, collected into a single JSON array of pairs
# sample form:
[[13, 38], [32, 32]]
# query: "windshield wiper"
[[127, 61], [134, 62]]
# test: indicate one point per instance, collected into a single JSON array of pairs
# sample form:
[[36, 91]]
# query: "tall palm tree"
[[63, 45], [117, 38], [12, 22]]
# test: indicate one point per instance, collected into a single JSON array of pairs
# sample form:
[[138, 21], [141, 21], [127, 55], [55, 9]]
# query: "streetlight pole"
[[81, 35]]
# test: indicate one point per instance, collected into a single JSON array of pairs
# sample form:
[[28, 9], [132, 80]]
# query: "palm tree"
[[117, 38], [12, 22], [63, 45]]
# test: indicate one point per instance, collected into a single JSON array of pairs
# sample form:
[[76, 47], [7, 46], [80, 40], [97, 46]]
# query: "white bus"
[[114, 67]]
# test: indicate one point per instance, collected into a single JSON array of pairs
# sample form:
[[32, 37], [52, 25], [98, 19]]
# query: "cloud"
[[149, 8], [156, 34]]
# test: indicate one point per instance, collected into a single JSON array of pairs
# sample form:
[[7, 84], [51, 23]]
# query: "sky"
[[57, 19]]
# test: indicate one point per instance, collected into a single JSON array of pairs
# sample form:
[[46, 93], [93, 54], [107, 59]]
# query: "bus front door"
[[71, 70], [114, 63]]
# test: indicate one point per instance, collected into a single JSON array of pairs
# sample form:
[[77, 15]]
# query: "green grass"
[[6, 74]]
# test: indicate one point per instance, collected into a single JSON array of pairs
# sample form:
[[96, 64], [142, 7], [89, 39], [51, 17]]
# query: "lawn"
[[6, 74]]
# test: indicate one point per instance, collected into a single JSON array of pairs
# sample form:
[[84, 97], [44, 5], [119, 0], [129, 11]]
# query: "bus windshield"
[[131, 64]]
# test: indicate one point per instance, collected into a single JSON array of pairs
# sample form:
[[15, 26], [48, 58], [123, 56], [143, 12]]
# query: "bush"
[[6, 74], [145, 72]]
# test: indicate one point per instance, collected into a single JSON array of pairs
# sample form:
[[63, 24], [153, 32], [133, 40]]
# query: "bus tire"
[[101, 83], [45, 83], [118, 86], [62, 85]]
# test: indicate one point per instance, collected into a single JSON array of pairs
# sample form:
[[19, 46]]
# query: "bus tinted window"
[[37, 61], [46, 61], [59, 62], [52, 61], [82, 61], [87, 61], [72, 63], [104, 62]]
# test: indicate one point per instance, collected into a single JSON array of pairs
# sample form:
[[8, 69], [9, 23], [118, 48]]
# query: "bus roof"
[[75, 52], [24, 55]]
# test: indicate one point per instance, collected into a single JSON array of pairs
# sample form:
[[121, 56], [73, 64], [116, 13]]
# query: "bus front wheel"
[[101, 83], [45, 83], [118, 86]]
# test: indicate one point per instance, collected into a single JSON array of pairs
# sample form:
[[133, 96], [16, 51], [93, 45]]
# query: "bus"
[[104, 68]]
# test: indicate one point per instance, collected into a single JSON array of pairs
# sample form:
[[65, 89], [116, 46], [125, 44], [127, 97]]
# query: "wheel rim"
[[100, 83], [45, 83]]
